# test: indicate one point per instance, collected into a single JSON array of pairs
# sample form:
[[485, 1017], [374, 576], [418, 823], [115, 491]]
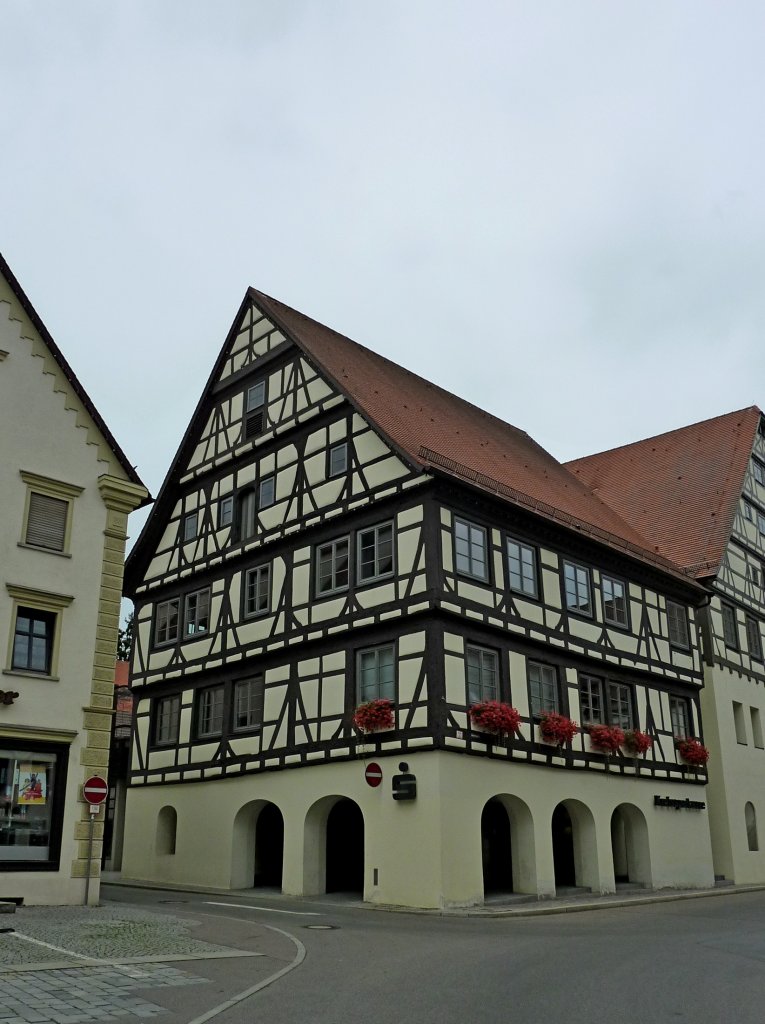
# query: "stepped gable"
[[435, 428], [679, 489]]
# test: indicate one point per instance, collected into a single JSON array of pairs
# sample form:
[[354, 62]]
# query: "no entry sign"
[[373, 774], [95, 790]]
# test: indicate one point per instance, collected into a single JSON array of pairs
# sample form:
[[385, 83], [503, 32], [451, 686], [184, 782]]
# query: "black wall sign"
[[404, 786], [679, 805]]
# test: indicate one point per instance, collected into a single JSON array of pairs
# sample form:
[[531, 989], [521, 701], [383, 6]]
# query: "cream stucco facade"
[[59, 608]]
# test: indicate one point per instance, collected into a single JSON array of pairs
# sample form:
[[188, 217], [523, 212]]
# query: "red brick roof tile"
[[679, 489]]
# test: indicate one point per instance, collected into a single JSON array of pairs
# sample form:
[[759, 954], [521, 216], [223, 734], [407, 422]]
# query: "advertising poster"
[[33, 783]]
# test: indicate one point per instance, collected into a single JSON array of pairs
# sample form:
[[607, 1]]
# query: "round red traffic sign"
[[95, 790], [373, 774]]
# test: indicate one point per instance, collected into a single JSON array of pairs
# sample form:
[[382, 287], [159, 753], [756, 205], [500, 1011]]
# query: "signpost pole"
[[90, 854], [94, 793]]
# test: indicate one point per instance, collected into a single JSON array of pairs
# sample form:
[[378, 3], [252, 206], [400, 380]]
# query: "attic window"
[[254, 410], [46, 523]]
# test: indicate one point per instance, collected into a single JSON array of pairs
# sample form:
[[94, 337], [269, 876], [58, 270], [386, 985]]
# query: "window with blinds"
[[46, 522]]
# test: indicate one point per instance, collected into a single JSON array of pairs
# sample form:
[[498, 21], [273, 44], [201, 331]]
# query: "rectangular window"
[[591, 700], [620, 705], [210, 711], [167, 717], [470, 547], [376, 673], [730, 628], [739, 723], [758, 469], [166, 623], [257, 590], [753, 574], [677, 624], [760, 521], [33, 640], [680, 715], [748, 511], [254, 410], [338, 459], [482, 674], [46, 521], [332, 567], [614, 601], [190, 526], [266, 492], [543, 688], [754, 714], [753, 638], [375, 553], [577, 587], [31, 786], [248, 515], [197, 616], [226, 511], [522, 568], [248, 703]]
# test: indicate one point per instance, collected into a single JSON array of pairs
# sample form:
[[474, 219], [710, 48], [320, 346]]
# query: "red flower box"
[[606, 738], [495, 717], [693, 752], [374, 715], [637, 742], [558, 729]]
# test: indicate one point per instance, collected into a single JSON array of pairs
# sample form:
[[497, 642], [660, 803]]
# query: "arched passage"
[[167, 827], [629, 845], [507, 845], [575, 852], [345, 848], [257, 851]]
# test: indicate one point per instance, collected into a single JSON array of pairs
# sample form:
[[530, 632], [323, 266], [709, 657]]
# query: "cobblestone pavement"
[[70, 996], [66, 965]]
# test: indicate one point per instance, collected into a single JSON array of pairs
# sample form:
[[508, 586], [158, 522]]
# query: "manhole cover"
[[321, 927]]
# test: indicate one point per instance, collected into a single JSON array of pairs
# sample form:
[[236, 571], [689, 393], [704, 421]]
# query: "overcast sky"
[[555, 209]]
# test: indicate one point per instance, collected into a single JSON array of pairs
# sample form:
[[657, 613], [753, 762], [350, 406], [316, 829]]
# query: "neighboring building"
[[334, 528], [66, 490], [119, 766], [698, 495]]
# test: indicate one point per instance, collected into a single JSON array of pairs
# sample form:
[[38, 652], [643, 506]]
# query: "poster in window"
[[33, 783]]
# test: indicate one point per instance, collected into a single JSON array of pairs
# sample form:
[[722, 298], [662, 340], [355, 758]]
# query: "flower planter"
[[637, 743], [693, 752], [374, 716], [606, 739], [557, 729], [495, 718]]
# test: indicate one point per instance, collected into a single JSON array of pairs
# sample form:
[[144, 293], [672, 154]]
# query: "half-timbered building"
[[698, 495], [335, 529]]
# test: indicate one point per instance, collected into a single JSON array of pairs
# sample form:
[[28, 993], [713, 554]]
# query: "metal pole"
[[90, 857]]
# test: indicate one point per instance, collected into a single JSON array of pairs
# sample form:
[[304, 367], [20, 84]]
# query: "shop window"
[[32, 786]]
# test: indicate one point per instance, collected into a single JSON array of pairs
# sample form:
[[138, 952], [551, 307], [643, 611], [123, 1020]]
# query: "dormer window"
[[255, 410]]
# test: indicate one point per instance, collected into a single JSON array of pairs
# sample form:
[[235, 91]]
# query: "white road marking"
[[94, 960], [269, 910]]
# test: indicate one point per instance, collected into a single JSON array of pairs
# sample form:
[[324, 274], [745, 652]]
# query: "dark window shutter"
[[46, 525]]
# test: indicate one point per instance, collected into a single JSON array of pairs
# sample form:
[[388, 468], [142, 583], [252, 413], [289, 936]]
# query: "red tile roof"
[[433, 427], [679, 489]]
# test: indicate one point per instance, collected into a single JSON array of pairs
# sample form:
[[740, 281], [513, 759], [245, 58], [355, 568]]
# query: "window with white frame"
[[196, 619], [758, 469], [226, 511], [677, 624], [332, 566], [470, 549], [543, 688], [257, 590], [166, 621], [576, 583], [266, 492], [375, 553], [210, 711], [482, 669], [522, 568], [255, 410], [190, 526], [376, 673], [248, 703], [167, 717], [680, 717], [620, 705], [338, 459], [247, 514], [614, 601], [591, 700]]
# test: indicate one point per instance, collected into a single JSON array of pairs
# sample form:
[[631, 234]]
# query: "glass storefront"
[[30, 798]]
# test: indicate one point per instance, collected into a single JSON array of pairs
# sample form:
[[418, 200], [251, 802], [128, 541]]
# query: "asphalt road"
[[700, 961]]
